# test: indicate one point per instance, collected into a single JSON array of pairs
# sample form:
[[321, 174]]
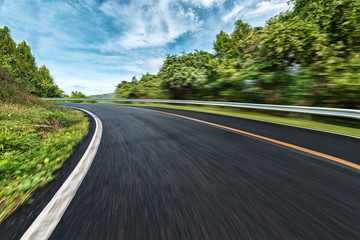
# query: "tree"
[[222, 45], [7, 50], [17, 60], [25, 70], [182, 75], [134, 79], [45, 86], [76, 94]]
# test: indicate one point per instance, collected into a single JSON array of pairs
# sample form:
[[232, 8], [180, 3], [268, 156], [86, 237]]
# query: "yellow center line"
[[319, 154]]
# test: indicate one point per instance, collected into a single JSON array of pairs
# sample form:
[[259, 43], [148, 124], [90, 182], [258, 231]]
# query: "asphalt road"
[[158, 176]]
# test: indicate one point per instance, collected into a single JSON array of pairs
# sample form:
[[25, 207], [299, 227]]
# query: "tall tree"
[[7, 50], [222, 45], [17, 60]]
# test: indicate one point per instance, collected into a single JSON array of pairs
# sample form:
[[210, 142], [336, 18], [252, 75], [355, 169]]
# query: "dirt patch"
[[55, 122]]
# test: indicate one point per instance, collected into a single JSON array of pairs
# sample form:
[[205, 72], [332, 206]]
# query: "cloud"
[[152, 65], [269, 6], [204, 3], [232, 13], [78, 87], [149, 23]]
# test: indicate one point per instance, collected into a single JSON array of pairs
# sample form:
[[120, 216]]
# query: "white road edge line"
[[45, 223]]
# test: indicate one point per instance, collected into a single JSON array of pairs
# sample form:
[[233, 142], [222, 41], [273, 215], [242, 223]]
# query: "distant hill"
[[105, 95]]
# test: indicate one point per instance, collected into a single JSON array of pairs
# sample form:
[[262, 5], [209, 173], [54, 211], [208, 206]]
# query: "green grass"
[[301, 120], [36, 137]]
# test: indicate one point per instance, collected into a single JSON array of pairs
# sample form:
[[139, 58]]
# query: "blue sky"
[[92, 45]]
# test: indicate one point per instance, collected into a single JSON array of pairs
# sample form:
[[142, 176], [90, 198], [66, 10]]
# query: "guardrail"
[[339, 112]]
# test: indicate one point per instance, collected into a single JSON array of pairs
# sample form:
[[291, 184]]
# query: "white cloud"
[[232, 13], [149, 24], [79, 87], [269, 6], [204, 3], [152, 65]]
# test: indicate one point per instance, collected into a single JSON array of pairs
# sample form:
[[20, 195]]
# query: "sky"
[[92, 45]]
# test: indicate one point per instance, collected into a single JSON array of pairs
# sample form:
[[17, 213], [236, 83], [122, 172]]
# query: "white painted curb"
[[45, 223]]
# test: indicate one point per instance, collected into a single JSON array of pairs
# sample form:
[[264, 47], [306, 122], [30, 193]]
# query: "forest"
[[17, 61], [308, 55]]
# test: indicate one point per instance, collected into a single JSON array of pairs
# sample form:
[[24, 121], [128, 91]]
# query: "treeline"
[[18, 61], [309, 55]]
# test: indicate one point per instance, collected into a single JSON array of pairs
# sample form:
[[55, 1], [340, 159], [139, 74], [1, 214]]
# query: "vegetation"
[[18, 61], [148, 87], [36, 137], [309, 55], [76, 94]]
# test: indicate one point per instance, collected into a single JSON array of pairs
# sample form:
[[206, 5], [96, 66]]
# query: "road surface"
[[161, 176]]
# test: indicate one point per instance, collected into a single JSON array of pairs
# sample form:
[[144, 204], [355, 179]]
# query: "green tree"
[[7, 51], [150, 87], [222, 45], [76, 94], [17, 60], [183, 75], [126, 89], [45, 86]]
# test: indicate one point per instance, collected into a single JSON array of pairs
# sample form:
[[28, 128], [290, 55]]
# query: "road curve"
[[158, 176]]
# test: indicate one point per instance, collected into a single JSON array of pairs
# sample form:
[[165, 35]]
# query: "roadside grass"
[[36, 137], [336, 125]]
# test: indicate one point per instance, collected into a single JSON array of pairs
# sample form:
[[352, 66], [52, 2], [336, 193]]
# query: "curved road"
[[161, 176]]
